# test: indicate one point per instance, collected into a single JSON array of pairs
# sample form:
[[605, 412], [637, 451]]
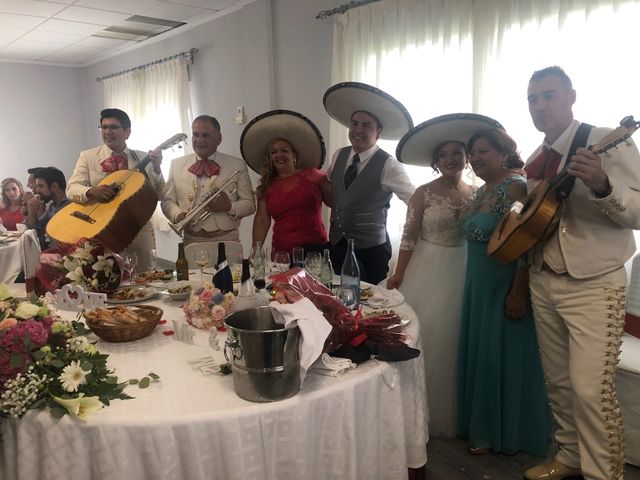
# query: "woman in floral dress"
[[431, 262]]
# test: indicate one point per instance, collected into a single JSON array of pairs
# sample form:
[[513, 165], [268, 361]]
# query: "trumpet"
[[198, 213]]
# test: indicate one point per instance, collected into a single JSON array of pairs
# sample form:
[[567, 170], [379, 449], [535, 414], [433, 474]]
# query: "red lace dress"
[[11, 218], [295, 204]]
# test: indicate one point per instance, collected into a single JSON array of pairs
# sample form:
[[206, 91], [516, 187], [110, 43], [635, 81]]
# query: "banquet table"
[[10, 258], [370, 422]]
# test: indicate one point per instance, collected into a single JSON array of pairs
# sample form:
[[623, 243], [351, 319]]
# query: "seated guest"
[[11, 205], [50, 197], [287, 149]]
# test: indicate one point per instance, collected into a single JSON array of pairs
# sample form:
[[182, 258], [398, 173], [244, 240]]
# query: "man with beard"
[[49, 198]]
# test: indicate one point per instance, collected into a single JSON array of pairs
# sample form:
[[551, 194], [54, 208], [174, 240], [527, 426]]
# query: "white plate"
[[144, 293], [164, 288]]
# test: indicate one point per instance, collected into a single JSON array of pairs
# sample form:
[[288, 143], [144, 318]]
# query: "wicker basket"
[[129, 331]]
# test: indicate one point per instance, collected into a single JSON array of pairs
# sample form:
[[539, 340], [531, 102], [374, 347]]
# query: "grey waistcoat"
[[360, 212]]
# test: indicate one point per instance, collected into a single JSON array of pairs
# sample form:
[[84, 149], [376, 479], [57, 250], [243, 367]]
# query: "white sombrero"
[[342, 99], [292, 126], [416, 147]]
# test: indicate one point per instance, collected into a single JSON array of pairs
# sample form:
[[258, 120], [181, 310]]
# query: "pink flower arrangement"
[[207, 307]]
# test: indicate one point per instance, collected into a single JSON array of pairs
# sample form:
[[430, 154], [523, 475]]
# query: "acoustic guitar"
[[115, 222], [528, 222]]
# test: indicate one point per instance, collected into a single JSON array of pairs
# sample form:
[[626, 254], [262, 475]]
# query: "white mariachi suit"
[[184, 191], [578, 286], [88, 173]]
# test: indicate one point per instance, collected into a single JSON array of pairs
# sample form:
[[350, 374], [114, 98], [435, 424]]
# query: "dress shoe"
[[479, 450], [551, 471]]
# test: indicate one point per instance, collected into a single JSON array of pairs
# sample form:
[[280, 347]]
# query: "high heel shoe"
[[479, 450]]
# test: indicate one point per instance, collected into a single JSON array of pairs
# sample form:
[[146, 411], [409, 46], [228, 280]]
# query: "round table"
[[370, 422], [10, 258]]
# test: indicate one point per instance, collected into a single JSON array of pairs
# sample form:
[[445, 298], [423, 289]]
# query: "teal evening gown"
[[502, 403]]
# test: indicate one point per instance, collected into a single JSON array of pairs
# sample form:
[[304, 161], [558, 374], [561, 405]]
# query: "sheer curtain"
[[158, 102], [419, 52], [445, 56]]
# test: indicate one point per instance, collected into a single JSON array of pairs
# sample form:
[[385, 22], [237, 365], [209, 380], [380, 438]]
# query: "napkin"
[[383, 298], [332, 366], [30, 250], [314, 329]]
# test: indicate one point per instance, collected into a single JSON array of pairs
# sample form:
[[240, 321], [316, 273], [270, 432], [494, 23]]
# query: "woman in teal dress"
[[502, 403]]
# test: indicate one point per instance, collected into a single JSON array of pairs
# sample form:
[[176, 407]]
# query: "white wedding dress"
[[433, 285]]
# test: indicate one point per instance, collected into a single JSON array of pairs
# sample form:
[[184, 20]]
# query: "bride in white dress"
[[431, 263]]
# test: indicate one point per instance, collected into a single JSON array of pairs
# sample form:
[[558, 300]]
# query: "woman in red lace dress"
[[11, 204], [292, 188]]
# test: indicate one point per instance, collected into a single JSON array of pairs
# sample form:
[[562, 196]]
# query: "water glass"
[[129, 263], [347, 296], [202, 260], [281, 262], [298, 257]]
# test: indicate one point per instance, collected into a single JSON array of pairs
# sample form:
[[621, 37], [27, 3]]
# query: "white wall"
[[41, 118], [269, 54]]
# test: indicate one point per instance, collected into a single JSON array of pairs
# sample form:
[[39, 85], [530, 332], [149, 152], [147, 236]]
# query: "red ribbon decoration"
[[114, 163], [203, 168]]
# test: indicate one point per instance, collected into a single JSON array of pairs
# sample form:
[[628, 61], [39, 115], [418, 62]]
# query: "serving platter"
[[131, 294]]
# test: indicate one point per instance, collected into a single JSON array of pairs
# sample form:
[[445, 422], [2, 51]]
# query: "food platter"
[[405, 319], [131, 294], [178, 290], [154, 276]]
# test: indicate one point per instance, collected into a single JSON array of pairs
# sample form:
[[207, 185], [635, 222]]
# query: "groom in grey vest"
[[364, 177]]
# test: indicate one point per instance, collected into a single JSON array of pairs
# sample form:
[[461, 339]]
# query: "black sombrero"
[[342, 99], [416, 146], [292, 126]]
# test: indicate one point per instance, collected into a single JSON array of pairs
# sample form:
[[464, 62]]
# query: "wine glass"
[[129, 262], [312, 264], [202, 260], [347, 296], [281, 261], [298, 257]]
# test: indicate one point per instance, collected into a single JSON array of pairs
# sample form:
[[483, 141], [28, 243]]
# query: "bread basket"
[[127, 332]]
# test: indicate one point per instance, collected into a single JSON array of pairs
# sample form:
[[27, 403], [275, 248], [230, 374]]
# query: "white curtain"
[[445, 56], [420, 53], [158, 102]]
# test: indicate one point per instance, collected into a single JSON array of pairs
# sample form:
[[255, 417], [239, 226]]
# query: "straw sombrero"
[[342, 99], [292, 126], [416, 147]]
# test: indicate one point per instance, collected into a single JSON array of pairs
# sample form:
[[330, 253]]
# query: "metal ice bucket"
[[264, 356]]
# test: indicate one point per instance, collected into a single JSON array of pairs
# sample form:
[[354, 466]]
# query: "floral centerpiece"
[[48, 362], [208, 306], [88, 263]]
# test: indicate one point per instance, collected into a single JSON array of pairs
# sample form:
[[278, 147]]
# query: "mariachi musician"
[[96, 163], [194, 177]]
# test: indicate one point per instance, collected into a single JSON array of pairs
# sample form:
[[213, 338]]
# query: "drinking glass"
[[129, 262], [153, 259], [281, 261], [313, 263], [347, 296], [298, 257], [234, 259], [202, 260]]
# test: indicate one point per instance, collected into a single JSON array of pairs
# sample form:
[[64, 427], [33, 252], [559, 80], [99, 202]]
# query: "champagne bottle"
[[247, 295], [326, 269], [182, 265], [259, 261], [350, 273], [222, 278]]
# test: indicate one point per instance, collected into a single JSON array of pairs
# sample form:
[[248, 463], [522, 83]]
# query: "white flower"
[[76, 275], [27, 310], [103, 264], [80, 407], [78, 344], [72, 377]]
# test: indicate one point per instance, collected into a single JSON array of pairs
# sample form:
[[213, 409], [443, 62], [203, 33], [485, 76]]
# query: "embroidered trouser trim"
[[579, 325]]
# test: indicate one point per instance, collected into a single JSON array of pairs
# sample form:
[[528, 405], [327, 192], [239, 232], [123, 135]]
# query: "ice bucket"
[[264, 356]]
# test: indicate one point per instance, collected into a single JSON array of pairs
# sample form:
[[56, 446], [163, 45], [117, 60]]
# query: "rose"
[[80, 407], [8, 323], [217, 313], [27, 310]]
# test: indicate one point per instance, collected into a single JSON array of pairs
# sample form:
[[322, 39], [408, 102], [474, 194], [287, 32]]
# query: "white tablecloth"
[[368, 423], [10, 260]]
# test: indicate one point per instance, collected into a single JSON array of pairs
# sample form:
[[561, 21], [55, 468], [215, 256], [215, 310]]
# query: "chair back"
[[233, 249]]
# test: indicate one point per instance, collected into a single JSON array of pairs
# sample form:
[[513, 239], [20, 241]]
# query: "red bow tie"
[[545, 165], [206, 168], [113, 163]]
